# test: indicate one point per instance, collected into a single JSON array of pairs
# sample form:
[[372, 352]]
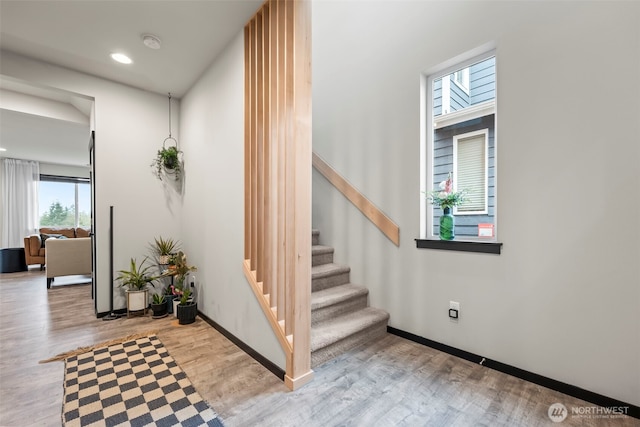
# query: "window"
[[470, 168], [64, 201], [461, 78], [458, 141]]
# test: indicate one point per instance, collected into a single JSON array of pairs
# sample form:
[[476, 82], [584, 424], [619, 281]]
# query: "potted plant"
[[159, 306], [167, 161], [446, 199], [163, 248], [187, 308], [179, 268], [136, 280]]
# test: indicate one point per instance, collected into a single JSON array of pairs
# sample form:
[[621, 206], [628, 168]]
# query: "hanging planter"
[[168, 160]]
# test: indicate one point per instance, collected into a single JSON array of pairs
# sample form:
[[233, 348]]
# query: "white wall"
[[562, 299], [130, 126], [212, 135]]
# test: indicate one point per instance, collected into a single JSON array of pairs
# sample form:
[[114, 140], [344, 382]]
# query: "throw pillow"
[[44, 237]]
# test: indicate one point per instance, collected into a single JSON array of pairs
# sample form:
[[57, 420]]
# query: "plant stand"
[[137, 302]]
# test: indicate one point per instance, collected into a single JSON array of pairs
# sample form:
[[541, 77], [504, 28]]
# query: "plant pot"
[[169, 303], [159, 310], [163, 259], [175, 302], [137, 301], [187, 313]]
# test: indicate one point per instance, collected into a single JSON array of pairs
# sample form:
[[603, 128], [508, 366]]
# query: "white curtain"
[[19, 201]]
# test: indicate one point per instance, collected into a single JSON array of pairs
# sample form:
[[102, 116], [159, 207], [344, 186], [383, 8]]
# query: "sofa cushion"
[[66, 232], [44, 237], [83, 232]]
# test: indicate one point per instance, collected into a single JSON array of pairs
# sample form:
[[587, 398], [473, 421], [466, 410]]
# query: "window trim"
[[465, 83], [427, 126]]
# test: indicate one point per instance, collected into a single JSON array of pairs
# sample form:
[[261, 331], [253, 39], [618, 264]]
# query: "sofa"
[[66, 257], [34, 245]]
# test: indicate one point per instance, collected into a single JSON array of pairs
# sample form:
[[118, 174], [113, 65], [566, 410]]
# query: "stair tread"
[[321, 249], [323, 270], [336, 329], [336, 294]]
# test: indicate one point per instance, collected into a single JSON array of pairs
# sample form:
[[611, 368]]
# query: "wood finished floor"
[[392, 382]]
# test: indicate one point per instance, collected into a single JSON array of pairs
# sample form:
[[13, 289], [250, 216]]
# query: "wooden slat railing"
[[371, 211], [278, 175]]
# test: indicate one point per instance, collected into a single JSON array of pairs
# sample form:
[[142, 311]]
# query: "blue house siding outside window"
[[482, 87], [466, 225]]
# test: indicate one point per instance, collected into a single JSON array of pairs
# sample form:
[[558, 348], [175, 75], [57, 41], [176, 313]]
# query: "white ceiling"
[[81, 35]]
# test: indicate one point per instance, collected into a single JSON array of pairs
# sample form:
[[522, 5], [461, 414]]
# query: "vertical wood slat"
[[260, 173], [247, 143], [281, 261], [302, 177], [289, 168], [278, 154], [272, 237], [252, 138], [266, 132]]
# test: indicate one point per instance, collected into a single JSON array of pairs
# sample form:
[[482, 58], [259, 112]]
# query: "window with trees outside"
[[459, 142], [64, 202]]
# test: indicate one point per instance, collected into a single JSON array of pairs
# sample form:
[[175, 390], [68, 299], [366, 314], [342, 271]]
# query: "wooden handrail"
[[277, 152], [371, 211]]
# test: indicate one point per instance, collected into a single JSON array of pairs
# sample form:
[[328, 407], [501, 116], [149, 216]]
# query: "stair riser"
[[315, 238], [321, 283], [334, 350], [343, 307], [323, 258]]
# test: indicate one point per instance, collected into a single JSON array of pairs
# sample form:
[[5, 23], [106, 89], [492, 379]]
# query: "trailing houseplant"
[[167, 161]]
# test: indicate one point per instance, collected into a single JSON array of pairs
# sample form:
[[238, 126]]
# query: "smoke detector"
[[151, 41]]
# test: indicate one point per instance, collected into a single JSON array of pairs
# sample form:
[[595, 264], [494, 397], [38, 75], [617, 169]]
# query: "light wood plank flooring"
[[393, 382]]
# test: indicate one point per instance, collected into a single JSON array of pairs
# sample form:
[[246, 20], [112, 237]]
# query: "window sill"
[[460, 246]]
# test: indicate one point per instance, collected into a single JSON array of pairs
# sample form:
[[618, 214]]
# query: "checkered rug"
[[135, 383]]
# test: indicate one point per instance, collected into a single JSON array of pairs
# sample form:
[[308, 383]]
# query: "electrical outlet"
[[454, 310]]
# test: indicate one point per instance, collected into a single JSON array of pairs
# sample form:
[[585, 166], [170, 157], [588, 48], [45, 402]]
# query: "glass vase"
[[447, 225]]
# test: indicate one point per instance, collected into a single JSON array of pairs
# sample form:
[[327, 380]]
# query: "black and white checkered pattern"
[[135, 383]]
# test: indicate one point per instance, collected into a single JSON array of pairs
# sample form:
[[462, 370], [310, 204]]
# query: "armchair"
[[33, 250]]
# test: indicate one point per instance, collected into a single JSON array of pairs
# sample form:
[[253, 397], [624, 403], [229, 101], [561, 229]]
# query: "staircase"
[[340, 316]]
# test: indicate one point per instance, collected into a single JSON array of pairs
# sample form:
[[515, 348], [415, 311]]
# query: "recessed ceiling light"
[[121, 58], [151, 41]]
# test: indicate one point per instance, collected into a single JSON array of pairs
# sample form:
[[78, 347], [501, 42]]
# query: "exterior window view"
[[64, 204], [464, 106]]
